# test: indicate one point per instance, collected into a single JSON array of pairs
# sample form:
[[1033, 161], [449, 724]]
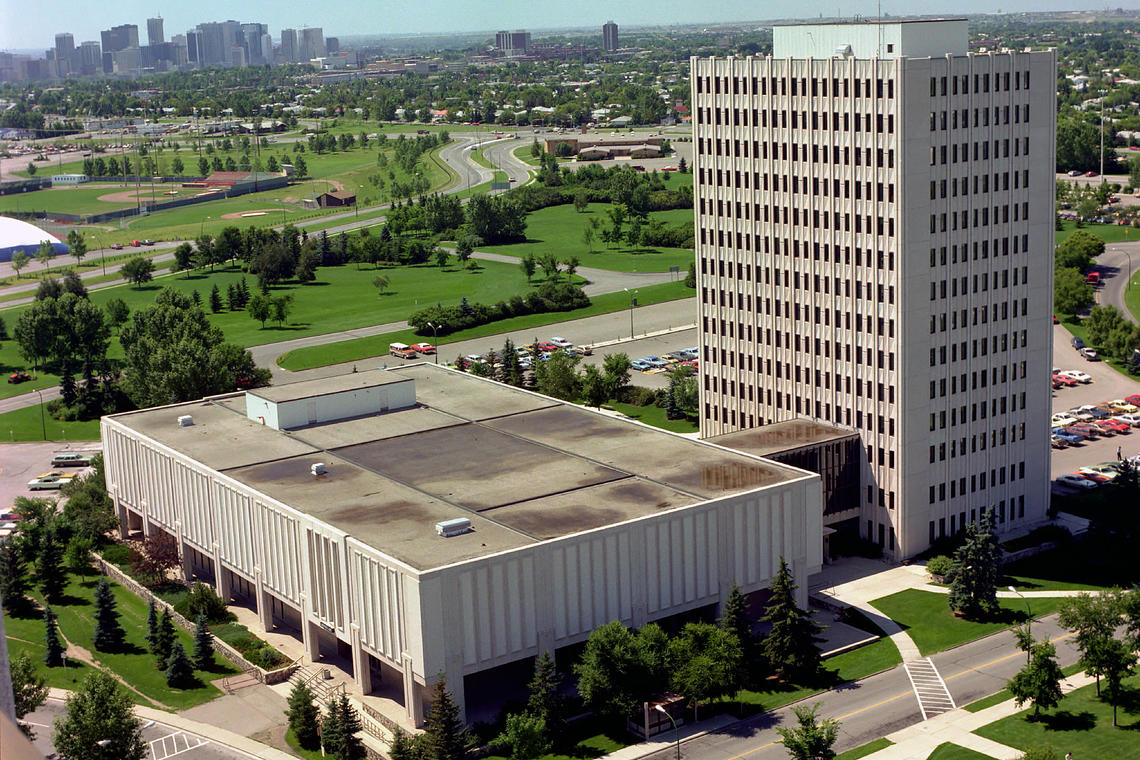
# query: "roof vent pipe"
[[318, 469], [185, 421]]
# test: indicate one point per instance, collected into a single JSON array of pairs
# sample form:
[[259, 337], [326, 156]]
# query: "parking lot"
[[21, 462], [1107, 384]]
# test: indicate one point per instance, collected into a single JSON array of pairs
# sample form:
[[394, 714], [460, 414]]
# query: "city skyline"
[[439, 16]]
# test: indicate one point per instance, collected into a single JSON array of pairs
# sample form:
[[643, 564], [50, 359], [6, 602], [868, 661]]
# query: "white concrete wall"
[[262, 410], [912, 39], [286, 415]]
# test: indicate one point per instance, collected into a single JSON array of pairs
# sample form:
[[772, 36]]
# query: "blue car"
[[641, 365], [1067, 437]]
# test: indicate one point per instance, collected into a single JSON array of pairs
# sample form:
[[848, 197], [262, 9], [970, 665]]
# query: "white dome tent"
[[16, 235]]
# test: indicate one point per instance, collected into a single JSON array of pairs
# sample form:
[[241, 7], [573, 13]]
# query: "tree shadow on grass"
[[69, 600], [1067, 721], [287, 328], [1129, 702]]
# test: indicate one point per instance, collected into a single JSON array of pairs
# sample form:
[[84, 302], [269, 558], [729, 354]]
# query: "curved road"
[[1114, 265]]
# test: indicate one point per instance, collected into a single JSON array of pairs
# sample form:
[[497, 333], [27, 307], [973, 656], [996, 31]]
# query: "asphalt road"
[[880, 704], [1114, 266], [163, 741]]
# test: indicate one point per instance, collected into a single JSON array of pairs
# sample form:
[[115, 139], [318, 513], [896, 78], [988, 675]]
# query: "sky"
[[33, 24]]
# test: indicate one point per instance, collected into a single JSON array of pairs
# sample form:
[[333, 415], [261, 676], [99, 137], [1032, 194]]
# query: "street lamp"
[[1029, 621], [434, 339], [102, 252], [43, 424], [676, 731], [632, 303], [1102, 94]]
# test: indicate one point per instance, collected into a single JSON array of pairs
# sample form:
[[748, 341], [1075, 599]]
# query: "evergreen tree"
[[163, 640], [445, 736], [545, 701], [49, 566], [351, 747], [53, 649], [303, 715], [671, 410], [151, 625], [179, 669], [203, 643], [197, 297], [215, 299], [13, 576], [231, 298], [404, 747], [1039, 681], [790, 647], [976, 568], [734, 619], [108, 632]]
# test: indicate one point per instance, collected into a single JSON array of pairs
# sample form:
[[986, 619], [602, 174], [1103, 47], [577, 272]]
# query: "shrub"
[[636, 395], [118, 555], [939, 565], [203, 600]]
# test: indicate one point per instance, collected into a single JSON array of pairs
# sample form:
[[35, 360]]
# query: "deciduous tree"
[[811, 738], [1039, 682], [28, 690], [99, 723]]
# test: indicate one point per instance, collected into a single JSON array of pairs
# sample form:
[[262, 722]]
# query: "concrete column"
[[183, 553], [309, 631], [360, 661], [121, 511], [221, 579], [413, 695], [264, 607], [800, 578], [638, 565]]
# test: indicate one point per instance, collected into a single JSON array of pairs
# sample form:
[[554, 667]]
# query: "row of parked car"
[[1086, 353], [542, 349], [1091, 476], [686, 357], [1090, 421], [1069, 377]]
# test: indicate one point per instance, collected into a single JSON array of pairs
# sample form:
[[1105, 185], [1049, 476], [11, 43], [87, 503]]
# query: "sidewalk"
[[918, 741]]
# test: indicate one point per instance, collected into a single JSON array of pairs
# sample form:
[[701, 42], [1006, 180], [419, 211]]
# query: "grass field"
[[865, 749], [356, 349], [655, 415], [1003, 695], [133, 663], [1132, 296], [948, 751], [558, 230], [83, 199], [1109, 233], [1081, 724], [26, 425], [926, 617]]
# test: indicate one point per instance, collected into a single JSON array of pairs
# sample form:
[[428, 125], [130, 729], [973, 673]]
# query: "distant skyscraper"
[[332, 45], [267, 47], [115, 39], [288, 52], [251, 39], [609, 36], [213, 49], [90, 58], [312, 43], [512, 43], [154, 35], [194, 46], [65, 54]]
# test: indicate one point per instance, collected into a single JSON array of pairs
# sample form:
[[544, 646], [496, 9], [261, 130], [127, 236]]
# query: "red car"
[[1095, 477], [1085, 429], [547, 347], [1064, 380], [1133, 399], [1115, 425]]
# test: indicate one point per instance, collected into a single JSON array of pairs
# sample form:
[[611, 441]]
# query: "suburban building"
[[592, 147], [874, 225], [609, 37], [512, 43], [425, 523]]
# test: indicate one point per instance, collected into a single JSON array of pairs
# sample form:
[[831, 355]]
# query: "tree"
[[215, 299], [528, 265], [99, 723], [619, 668], [203, 166], [183, 258], [303, 717], [13, 576], [28, 689], [31, 169], [259, 308], [19, 261], [151, 625], [557, 376], [281, 306], [164, 640], [49, 566], [203, 643], [682, 165], [179, 669], [177, 167], [381, 283], [300, 169], [976, 569], [524, 735], [154, 557], [307, 264], [45, 253], [790, 646], [734, 620], [77, 245], [545, 701], [1119, 661], [53, 649], [593, 385], [445, 736], [406, 747], [138, 270], [108, 633], [1094, 620], [615, 368], [812, 739], [705, 663], [117, 312], [1071, 292], [1079, 249], [1039, 681], [463, 248]]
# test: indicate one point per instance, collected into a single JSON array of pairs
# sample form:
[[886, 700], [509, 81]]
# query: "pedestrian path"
[[929, 688]]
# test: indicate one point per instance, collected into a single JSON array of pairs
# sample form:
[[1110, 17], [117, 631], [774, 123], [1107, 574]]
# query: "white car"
[[561, 342], [1063, 419], [1128, 419], [1075, 481], [46, 484], [1077, 375]]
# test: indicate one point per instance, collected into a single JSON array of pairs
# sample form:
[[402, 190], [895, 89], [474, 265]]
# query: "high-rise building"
[[154, 34], [267, 48], [332, 45], [213, 49], [288, 51], [90, 60], [65, 56], [512, 43], [874, 223], [311, 44], [194, 46], [609, 36], [115, 39], [251, 40]]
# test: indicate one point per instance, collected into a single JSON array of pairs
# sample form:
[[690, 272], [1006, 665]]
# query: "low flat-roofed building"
[[435, 524]]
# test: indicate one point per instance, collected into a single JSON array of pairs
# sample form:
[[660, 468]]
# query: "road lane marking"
[[179, 742]]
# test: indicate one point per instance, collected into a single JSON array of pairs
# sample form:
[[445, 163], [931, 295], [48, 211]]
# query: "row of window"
[[819, 220], [939, 154], [981, 248], [801, 406], [958, 382], [999, 513], [783, 85], [958, 413], [959, 118], [819, 156], [959, 84], [822, 347], [845, 123], [938, 322], [958, 350], [981, 184], [978, 482], [1000, 279], [881, 260], [963, 220]]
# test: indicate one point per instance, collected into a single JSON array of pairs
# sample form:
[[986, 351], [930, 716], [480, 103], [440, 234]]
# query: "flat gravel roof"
[[781, 436]]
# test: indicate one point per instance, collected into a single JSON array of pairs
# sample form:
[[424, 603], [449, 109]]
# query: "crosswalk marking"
[[929, 688], [174, 744]]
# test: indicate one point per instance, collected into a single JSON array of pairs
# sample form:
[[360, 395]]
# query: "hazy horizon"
[[36, 30]]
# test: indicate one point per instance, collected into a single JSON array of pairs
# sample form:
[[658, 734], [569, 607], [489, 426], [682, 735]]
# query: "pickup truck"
[[402, 351]]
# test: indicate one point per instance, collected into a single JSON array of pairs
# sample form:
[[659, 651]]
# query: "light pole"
[[1102, 94], [43, 424], [676, 731], [434, 339], [1028, 622], [632, 304]]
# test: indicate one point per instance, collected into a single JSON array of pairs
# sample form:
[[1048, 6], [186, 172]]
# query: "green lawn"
[[356, 349], [558, 230], [926, 617], [83, 199], [1082, 724], [655, 415], [1109, 233], [25, 425], [308, 754], [948, 751], [1003, 695], [585, 740], [1132, 294], [1072, 567], [865, 749], [133, 663]]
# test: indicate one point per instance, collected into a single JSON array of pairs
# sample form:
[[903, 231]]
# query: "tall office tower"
[[267, 48], [213, 49], [194, 46], [251, 40], [90, 59], [332, 45], [288, 51], [874, 216], [312, 44], [65, 56], [115, 39], [154, 35], [609, 36], [513, 43]]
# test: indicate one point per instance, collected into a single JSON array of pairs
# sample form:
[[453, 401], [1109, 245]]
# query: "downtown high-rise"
[[874, 225]]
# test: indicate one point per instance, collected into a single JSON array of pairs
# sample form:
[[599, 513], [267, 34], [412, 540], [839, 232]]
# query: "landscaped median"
[[357, 349]]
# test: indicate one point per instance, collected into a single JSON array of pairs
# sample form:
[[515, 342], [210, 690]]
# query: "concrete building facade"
[[154, 32], [322, 501], [609, 37], [874, 225]]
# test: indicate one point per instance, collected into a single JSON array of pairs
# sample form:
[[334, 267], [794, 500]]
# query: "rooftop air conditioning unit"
[[318, 469], [456, 527], [843, 51], [185, 421]]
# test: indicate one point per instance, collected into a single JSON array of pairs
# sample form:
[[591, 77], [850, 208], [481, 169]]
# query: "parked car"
[[561, 342], [1063, 418], [1077, 375], [1100, 428], [1089, 354], [1116, 425], [1121, 405], [1064, 380], [146, 242], [1082, 415], [1075, 481], [1058, 442], [116, 246], [640, 365], [46, 484], [19, 377], [1084, 428], [1096, 475], [1129, 418], [1077, 343], [1074, 172], [1134, 399], [423, 348], [57, 474], [71, 460], [1071, 439]]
